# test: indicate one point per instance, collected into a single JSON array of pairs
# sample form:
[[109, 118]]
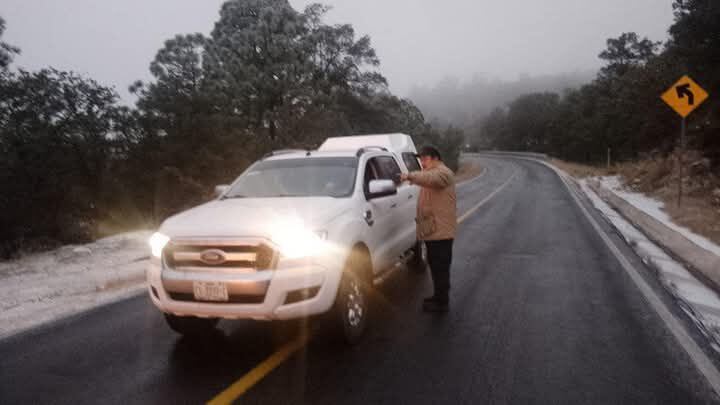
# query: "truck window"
[[307, 177], [380, 168], [411, 162], [371, 173], [389, 169]]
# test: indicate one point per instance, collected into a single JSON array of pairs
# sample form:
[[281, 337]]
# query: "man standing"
[[436, 221]]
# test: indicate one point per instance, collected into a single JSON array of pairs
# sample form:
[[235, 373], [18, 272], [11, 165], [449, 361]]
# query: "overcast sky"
[[419, 41]]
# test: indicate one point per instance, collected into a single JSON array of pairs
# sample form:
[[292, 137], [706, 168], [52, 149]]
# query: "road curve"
[[541, 312]]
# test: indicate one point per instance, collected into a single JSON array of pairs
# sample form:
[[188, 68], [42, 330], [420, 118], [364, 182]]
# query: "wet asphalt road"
[[541, 312]]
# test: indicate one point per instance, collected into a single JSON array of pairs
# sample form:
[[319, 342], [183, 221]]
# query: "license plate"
[[210, 291]]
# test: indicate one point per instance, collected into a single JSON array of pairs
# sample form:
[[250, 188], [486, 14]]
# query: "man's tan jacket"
[[437, 204]]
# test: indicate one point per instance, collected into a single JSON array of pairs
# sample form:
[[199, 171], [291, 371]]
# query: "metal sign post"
[[681, 160], [684, 97]]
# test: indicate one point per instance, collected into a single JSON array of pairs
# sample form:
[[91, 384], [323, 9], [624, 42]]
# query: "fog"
[[420, 42], [464, 103]]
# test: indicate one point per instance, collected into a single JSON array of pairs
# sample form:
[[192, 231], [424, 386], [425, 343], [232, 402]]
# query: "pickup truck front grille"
[[179, 255]]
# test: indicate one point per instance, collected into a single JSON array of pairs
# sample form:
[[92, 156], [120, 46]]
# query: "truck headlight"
[[157, 243], [298, 242]]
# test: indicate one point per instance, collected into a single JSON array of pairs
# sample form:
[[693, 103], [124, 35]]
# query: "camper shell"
[[401, 145]]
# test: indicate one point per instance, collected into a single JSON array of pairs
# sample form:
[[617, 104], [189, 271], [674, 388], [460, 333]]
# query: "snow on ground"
[[654, 208], [700, 302], [42, 287], [48, 286]]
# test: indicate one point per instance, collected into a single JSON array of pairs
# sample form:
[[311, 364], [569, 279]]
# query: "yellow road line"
[[260, 371], [254, 376]]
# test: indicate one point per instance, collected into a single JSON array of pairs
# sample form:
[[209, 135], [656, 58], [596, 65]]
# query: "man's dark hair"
[[429, 150]]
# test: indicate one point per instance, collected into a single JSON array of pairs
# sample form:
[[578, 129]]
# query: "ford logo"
[[213, 257]]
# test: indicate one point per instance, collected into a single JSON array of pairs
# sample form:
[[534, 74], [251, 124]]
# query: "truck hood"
[[253, 217]]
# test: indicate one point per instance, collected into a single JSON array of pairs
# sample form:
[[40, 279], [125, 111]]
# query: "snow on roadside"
[[42, 287], [654, 208], [47, 286], [697, 300]]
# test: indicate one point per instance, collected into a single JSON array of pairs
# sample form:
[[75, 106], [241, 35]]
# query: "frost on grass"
[[656, 209]]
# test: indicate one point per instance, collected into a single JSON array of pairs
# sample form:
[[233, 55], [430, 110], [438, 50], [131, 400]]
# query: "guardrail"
[[539, 156]]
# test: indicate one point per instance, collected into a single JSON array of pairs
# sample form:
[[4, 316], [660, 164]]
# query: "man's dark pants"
[[439, 255]]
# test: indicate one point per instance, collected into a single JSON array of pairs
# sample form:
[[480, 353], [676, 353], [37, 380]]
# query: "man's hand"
[[403, 177]]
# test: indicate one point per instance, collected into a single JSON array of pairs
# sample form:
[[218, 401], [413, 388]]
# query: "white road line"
[[468, 181], [387, 274], [247, 381], [486, 199], [697, 355], [701, 361]]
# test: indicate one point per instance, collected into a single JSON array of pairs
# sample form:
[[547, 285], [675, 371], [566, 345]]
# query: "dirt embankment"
[[659, 178]]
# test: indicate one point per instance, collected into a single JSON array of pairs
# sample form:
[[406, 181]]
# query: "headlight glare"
[[298, 242], [157, 243]]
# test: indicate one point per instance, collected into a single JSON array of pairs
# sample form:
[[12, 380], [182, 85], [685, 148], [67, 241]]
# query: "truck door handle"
[[410, 197], [394, 205], [368, 218]]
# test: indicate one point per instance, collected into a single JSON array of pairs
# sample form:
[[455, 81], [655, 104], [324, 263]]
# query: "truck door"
[[402, 236], [379, 217], [413, 193]]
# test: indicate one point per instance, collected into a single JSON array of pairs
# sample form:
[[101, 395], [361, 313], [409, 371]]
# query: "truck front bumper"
[[300, 291]]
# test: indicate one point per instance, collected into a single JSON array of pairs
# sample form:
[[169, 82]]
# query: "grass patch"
[[580, 171]]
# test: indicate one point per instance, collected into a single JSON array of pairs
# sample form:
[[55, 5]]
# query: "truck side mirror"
[[221, 189], [381, 188]]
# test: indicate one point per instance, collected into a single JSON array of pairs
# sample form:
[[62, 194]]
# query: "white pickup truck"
[[299, 233]]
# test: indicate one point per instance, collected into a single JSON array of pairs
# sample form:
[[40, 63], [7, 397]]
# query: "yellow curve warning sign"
[[684, 96]]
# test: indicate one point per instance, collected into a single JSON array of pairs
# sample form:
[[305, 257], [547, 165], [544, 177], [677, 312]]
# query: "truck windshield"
[[307, 177]]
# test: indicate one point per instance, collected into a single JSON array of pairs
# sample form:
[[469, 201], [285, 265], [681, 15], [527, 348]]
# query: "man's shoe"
[[435, 306]]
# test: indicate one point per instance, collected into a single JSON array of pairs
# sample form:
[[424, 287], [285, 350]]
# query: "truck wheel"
[[190, 325], [352, 301], [418, 262]]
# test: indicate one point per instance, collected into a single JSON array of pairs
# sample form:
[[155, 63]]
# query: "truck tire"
[[352, 309], [418, 262], [190, 325]]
